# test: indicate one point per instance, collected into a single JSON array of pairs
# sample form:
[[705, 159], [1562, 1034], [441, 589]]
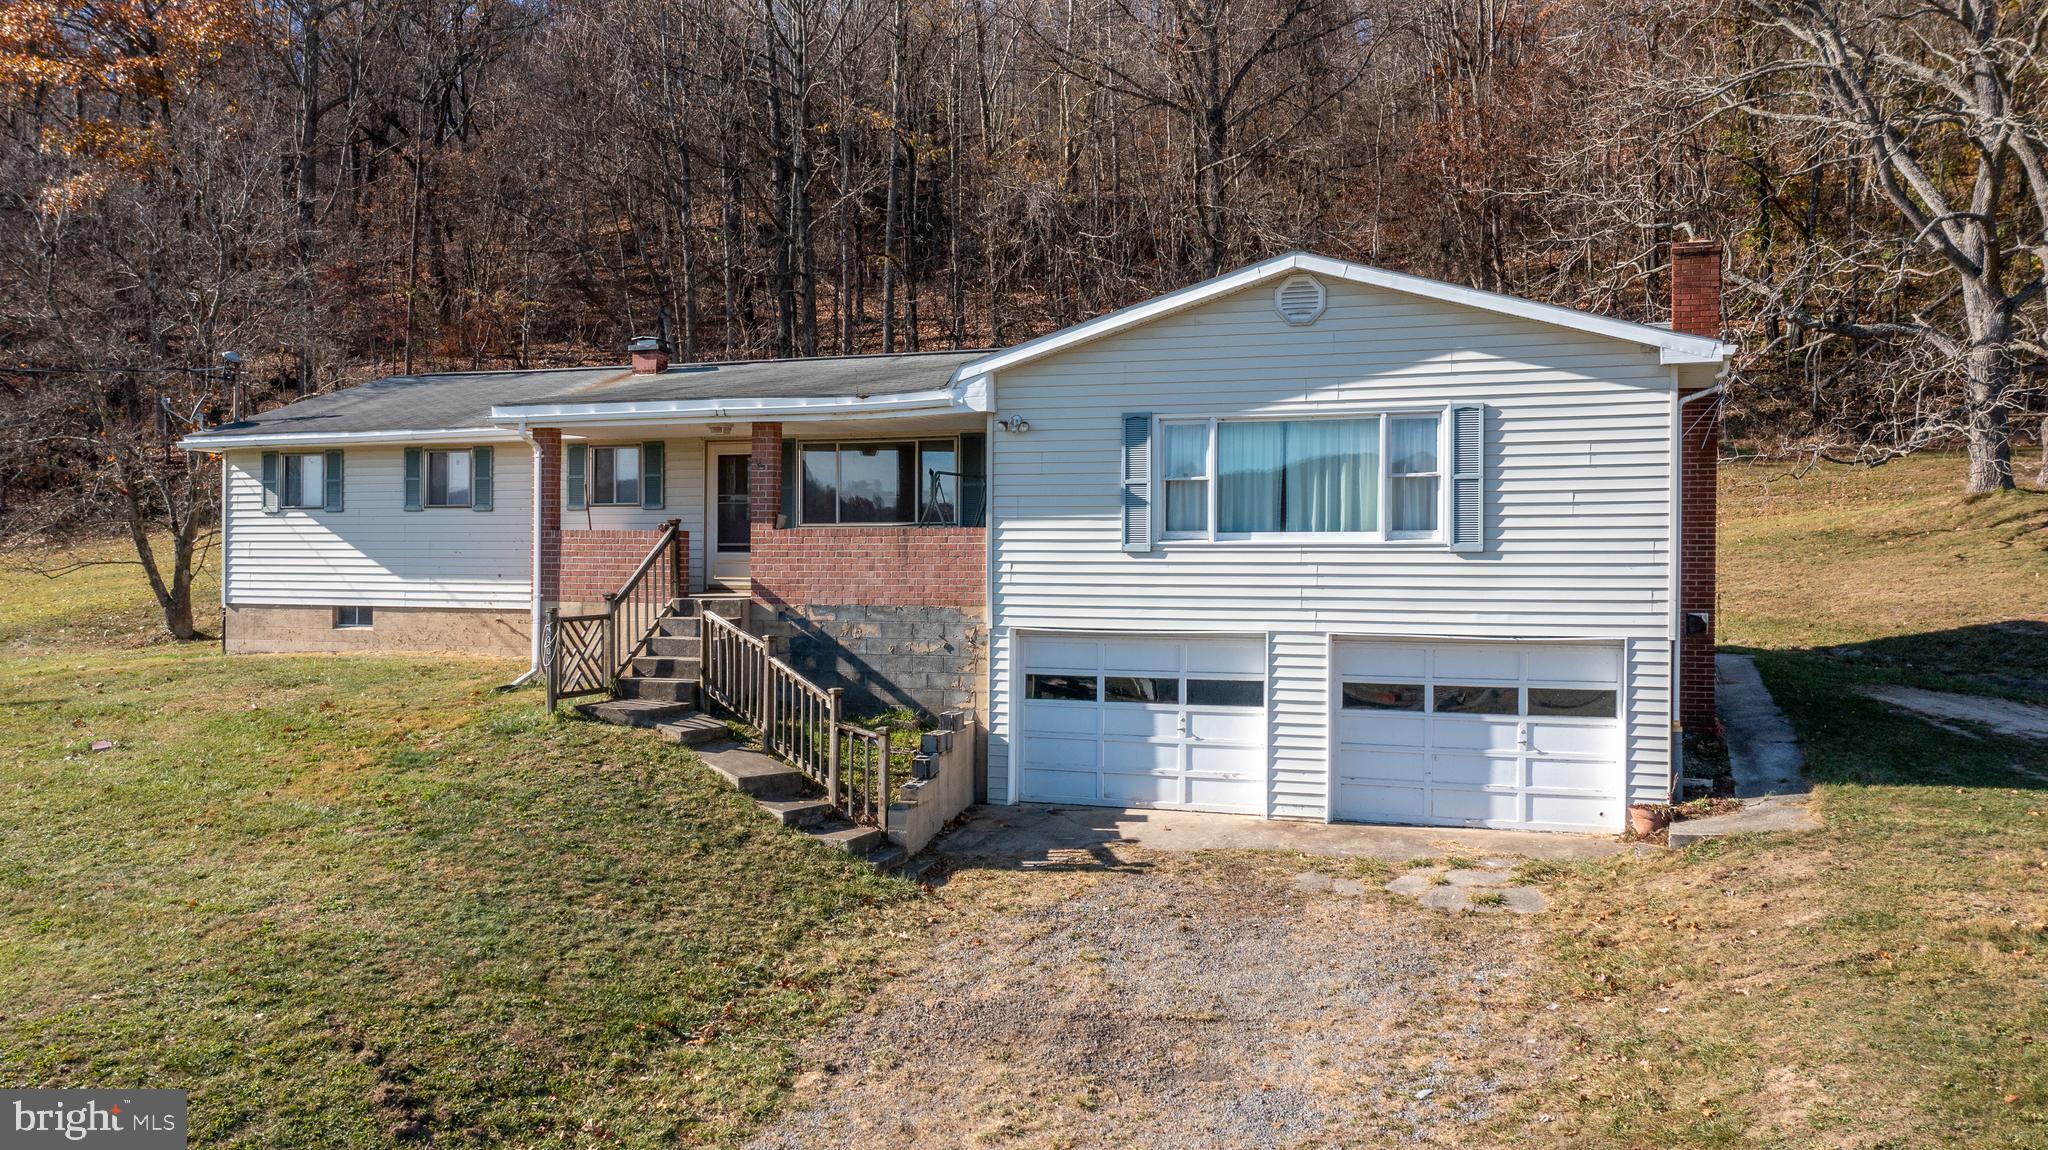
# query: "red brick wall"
[[549, 442], [868, 566], [1696, 308], [597, 563]]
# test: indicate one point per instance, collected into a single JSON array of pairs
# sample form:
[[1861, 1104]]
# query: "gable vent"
[[1300, 299]]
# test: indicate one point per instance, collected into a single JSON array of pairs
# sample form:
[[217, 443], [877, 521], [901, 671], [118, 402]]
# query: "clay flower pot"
[[1648, 820]]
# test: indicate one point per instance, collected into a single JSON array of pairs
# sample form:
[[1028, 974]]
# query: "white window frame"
[[291, 488], [1383, 535], [427, 477], [365, 619], [919, 478], [590, 478]]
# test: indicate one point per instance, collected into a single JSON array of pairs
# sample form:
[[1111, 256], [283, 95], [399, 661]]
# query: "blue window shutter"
[[1137, 488], [1468, 478], [273, 496], [651, 460], [415, 461], [333, 493], [572, 475], [480, 479]]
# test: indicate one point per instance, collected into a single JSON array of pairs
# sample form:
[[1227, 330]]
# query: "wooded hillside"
[[337, 189]]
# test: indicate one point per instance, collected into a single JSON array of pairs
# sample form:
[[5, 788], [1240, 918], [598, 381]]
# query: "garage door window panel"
[[1060, 688], [1140, 689], [1226, 692], [1573, 702], [1464, 700], [1385, 697]]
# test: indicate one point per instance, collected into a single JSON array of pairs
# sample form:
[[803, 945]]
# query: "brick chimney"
[[650, 354], [1696, 310], [1696, 287]]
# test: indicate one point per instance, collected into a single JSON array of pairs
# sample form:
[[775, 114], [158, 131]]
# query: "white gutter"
[[205, 442], [533, 660], [788, 409]]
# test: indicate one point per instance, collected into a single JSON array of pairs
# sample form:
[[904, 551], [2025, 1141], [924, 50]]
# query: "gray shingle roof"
[[826, 376], [462, 400]]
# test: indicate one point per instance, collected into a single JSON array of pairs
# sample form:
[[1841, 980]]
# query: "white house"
[[1310, 540]]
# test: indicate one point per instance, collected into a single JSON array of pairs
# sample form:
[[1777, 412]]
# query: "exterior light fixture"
[[1015, 425]]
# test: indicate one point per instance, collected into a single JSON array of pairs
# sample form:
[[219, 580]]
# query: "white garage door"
[[1143, 721], [1480, 734]]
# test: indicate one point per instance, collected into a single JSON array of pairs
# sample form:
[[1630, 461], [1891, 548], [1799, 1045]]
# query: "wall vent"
[[1300, 299]]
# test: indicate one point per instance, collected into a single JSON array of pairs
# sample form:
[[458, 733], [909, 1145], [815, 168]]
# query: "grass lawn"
[[353, 901], [1882, 981]]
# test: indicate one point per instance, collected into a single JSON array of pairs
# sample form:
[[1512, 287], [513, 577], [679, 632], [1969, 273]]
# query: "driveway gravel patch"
[[1176, 1001]]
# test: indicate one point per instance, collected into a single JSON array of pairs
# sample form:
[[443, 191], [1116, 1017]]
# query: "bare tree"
[[1938, 110]]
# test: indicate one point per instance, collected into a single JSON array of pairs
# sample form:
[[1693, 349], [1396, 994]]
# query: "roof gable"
[[1672, 347]]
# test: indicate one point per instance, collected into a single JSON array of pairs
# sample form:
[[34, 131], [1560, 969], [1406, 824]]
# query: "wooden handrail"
[[799, 721], [586, 654]]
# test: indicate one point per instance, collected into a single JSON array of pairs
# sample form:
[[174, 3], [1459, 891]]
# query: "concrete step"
[[636, 712], [756, 775], [676, 646], [695, 729], [667, 667], [682, 691], [805, 813], [732, 607], [679, 626], [852, 840], [888, 857]]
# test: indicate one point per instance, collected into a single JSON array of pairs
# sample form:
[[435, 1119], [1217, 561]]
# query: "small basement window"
[[353, 617]]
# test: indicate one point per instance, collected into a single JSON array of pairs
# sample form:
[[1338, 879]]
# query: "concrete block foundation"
[[393, 630]]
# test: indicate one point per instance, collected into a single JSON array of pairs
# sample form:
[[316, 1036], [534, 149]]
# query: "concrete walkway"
[[1764, 753], [1761, 745], [1037, 834]]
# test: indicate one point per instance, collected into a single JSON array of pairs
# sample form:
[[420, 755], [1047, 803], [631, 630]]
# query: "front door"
[[727, 514]]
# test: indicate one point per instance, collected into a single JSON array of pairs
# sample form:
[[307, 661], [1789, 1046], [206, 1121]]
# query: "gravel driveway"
[[1153, 999]]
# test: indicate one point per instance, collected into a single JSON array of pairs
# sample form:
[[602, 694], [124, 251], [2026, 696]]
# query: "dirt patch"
[[2021, 720], [1176, 1001]]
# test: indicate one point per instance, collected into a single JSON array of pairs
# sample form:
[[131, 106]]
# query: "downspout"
[[533, 661], [1678, 405]]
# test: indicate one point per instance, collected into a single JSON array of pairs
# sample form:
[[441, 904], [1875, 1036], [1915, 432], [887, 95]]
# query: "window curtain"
[[1316, 475], [1412, 444], [1252, 455], [1333, 470]]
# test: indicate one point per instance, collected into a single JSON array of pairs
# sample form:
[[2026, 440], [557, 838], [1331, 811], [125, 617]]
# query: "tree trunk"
[[308, 187], [2041, 478], [1990, 372]]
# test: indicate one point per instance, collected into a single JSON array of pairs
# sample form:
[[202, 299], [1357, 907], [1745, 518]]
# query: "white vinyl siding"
[[683, 484], [375, 553], [1577, 520]]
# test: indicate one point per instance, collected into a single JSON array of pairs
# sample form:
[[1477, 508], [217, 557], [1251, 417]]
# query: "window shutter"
[[651, 458], [1468, 478], [1138, 482], [415, 461], [273, 496], [333, 499], [479, 479], [572, 474]]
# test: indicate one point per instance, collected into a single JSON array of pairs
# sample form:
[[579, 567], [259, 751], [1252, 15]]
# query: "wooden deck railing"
[[798, 720], [585, 654]]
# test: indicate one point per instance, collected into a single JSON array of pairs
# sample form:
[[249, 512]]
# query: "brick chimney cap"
[[1690, 247], [647, 343]]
